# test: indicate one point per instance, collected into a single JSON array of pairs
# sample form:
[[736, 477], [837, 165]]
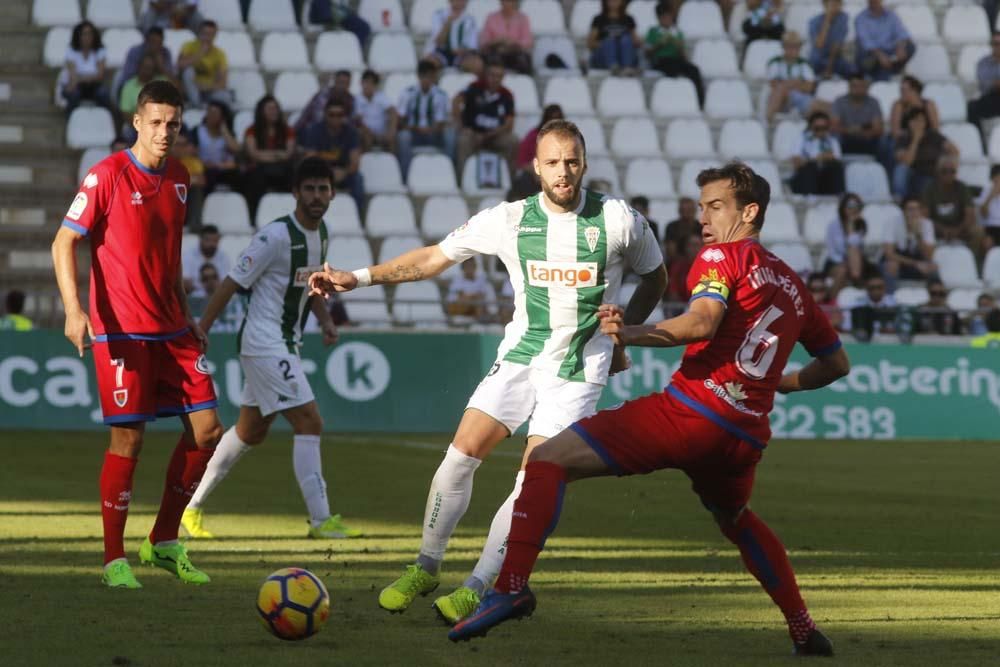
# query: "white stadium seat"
[[342, 217], [674, 97], [868, 180], [233, 244], [795, 255], [956, 266], [930, 63], [886, 92], [968, 58], [700, 19], [966, 24], [55, 12], [338, 50], [266, 15], [226, 13], [976, 174], [649, 177], [381, 173], [759, 53], [604, 169], [687, 138], [743, 139], [621, 96], [830, 89], [392, 53], [780, 224], [635, 137], [582, 16], [848, 297], [273, 205], [546, 16], [117, 42], [441, 215], [993, 147], [950, 101], [912, 296], [282, 51], [967, 138], [227, 211], [571, 93], [192, 118], [383, 15], [247, 86], [295, 89], [418, 302], [481, 9], [991, 268], [394, 246], [422, 13], [90, 157], [431, 174], [687, 185], [663, 211], [390, 214], [787, 139], [525, 93], [919, 22], [175, 39], [89, 127], [559, 45], [879, 217], [454, 82], [963, 299], [111, 13], [238, 47], [728, 98], [817, 220], [350, 252], [768, 169], [798, 15], [54, 49], [593, 134], [716, 58], [367, 306], [471, 184], [644, 14]]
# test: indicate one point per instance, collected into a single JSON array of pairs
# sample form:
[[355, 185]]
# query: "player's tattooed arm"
[[411, 266]]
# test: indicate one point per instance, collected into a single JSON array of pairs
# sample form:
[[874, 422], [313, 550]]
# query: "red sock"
[[187, 465], [116, 493], [536, 512], [766, 558]]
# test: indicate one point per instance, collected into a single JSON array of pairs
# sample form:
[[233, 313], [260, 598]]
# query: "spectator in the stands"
[[641, 204], [827, 37], [665, 49], [917, 156], [14, 318], [825, 299], [857, 119], [506, 36], [845, 238], [909, 244], [204, 68], [613, 42], [83, 78], [207, 251], [679, 267], [269, 145], [454, 38], [874, 313], [231, 318], [818, 168], [218, 148], [987, 105], [678, 231], [152, 45], [186, 153], [130, 89], [375, 115], [335, 140], [763, 20], [469, 293], [989, 210], [485, 111], [882, 44], [935, 316], [792, 80], [985, 304], [169, 14], [338, 88], [338, 15], [424, 117], [950, 206], [990, 339], [911, 100]]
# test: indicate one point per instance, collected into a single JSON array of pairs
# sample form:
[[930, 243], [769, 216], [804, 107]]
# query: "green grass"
[[896, 546]]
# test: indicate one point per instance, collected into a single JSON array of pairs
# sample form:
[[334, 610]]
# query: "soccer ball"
[[293, 603]]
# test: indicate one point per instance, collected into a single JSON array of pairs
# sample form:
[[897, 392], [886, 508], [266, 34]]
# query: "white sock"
[[447, 501], [488, 567], [229, 450], [309, 472]]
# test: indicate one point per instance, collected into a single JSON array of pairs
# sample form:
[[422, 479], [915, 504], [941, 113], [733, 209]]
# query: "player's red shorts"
[[659, 431], [140, 380]]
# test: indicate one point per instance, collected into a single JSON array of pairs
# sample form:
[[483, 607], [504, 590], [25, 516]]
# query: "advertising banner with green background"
[[415, 382]]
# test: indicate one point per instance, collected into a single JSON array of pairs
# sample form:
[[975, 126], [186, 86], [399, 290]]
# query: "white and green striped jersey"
[[275, 267], [562, 267]]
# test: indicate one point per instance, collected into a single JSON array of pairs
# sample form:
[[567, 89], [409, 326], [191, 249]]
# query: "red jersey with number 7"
[[732, 378], [134, 217]]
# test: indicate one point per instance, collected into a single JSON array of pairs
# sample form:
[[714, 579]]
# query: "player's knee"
[[729, 521], [208, 437]]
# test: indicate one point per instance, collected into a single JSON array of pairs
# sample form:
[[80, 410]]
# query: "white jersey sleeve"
[[481, 235], [265, 246], [641, 249]]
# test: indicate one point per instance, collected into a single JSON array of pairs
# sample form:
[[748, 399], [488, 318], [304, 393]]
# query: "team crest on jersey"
[[592, 234], [713, 255], [78, 206], [136, 198], [201, 365], [121, 397], [182, 192], [90, 181], [711, 283]]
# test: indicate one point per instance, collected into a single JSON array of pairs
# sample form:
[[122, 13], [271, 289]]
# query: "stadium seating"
[[560, 45], [441, 215], [338, 50], [393, 246], [787, 139], [830, 89], [284, 51], [227, 211], [780, 224], [365, 306], [111, 13], [879, 217], [117, 42], [295, 89], [419, 303], [688, 138], [522, 87], [968, 58], [89, 127], [868, 180], [237, 45], [956, 266], [798, 15], [919, 22], [911, 296], [383, 15], [421, 15], [620, 96], [728, 98], [743, 139], [546, 16], [474, 187], [966, 137], [593, 134], [604, 169], [390, 214], [267, 15], [582, 15], [392, 52], [55, 12], [716, 58], [381, 173], [649, 177], [571, 93], [349, 252], [930, 63], [991, 268], [247, 86], [698, 20], [818, 218], [635, 137], [687, 185], [90, 157], [342, 217], [758, 54], [795, 255], [965, 24], [963, 299], [950, 100], [431, 174], [54, 49], [674, 97], [174, 39], [272, 206], [226, 13]]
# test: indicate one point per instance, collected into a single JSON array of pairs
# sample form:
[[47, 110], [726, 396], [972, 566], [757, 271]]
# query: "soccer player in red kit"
[[747, 311], [148, 350]]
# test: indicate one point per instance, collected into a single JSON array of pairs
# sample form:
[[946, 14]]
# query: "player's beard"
[[562, 200]]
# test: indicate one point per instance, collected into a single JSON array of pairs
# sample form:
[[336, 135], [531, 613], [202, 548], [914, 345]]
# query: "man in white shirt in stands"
[[469, 292], [375, 114], [206, 252]]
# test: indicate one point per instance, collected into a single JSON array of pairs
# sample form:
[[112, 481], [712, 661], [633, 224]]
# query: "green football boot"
[[173, 559], [456, 605], [333, 528], [192, 521], [118, 574], [397, 596]]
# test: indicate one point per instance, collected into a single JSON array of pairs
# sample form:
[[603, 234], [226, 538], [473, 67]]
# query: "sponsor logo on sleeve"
[[245, 264], [90, 181], [561, 274], [713, 255], [78, 206]]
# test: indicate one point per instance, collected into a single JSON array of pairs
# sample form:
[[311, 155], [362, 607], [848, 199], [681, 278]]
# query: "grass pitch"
[[896, 546]]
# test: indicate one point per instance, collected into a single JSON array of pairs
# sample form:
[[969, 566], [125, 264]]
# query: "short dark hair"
[[208, 229], [564, 127], [639, 201], [748, 186], [908, 198], [818, 115], [663, 8], [371, 75], [159, 92], [208, 265], [335, 101], [934, 282], [208, 23], [155, 30], [914, 83], [342, 72], [15, 302], [426, 67], [312, 167]]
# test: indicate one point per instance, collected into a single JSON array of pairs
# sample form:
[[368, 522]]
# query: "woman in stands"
[[269, 144], [613, 41], [85, 69], [845, 238], [217, 148], [910, 101]]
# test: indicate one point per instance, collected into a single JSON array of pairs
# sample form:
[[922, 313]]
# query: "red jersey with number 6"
[[733, 377], [135, 219]]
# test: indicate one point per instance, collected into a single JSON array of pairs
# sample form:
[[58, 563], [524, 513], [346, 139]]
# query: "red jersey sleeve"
[[713, 273], [817, 334], [93, 200]]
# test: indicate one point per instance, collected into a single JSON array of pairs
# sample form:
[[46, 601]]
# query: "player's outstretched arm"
[[409, 267], [699, 323], [818, 373], [218, 302], [646, 295], [78, 325]]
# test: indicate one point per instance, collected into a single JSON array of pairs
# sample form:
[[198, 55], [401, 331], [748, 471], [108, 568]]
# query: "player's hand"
[[331, 280], [612, 319], [78, 328], [199, 334], [330, 334], [619, 360]]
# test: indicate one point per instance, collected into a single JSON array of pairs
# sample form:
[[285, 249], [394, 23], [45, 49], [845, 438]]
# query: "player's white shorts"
[[511, 393], [274, 384]]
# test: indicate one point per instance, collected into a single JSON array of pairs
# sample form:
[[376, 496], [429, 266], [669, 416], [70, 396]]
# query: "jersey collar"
[[144, 168], [567, 215]]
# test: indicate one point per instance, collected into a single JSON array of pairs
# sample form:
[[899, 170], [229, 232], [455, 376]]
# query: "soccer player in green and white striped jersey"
[[275, 267], [566, 250]]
